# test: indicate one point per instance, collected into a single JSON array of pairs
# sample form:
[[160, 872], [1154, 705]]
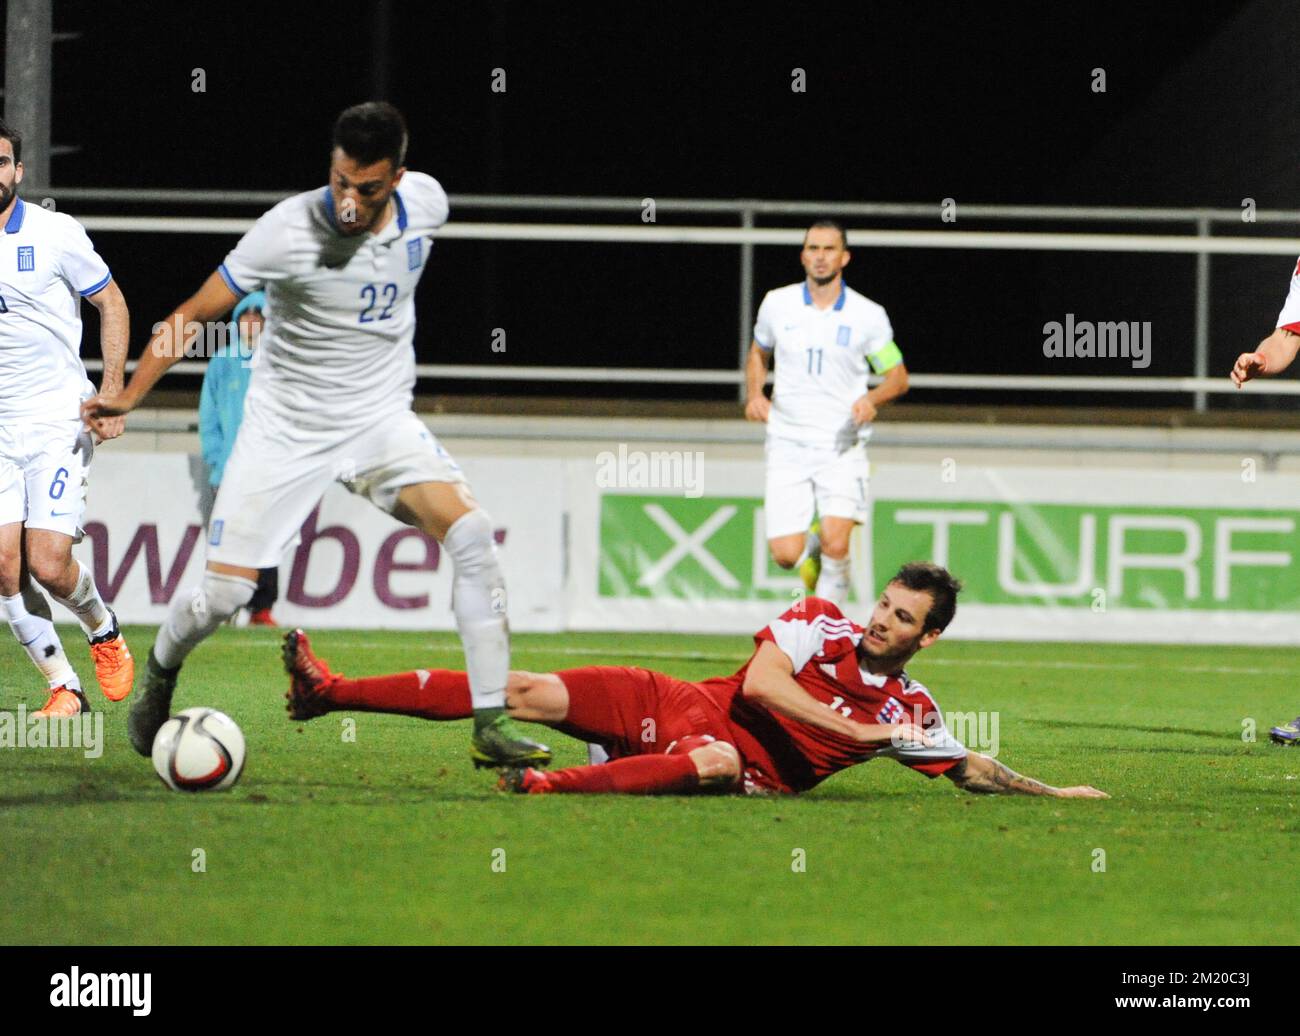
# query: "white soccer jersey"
[[47, 265], [336, 349], [821, 362], [1290, 315]]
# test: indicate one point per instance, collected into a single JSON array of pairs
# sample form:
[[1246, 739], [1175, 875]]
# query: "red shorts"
[[633, 711]]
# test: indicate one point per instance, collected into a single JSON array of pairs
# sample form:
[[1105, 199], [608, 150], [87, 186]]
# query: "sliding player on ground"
[[330, 400], [47, 266], [819, 694], [822, 335], [1274, 355]]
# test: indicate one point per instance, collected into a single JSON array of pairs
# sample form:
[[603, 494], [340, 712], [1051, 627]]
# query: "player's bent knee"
[[786, 555], [220, 595], [49, 566], [717, 763], [836, 548], [536, 697]]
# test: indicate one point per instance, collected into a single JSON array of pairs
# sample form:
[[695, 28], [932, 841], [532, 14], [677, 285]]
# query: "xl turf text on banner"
[[1070, 554]]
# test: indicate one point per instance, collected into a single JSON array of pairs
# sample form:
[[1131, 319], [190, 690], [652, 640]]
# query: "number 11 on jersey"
[[814, 354]]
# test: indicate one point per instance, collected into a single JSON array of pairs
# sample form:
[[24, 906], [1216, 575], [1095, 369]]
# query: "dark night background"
[[906, 102]]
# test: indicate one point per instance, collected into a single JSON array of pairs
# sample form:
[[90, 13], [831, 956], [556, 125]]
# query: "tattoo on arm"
[[983, 775]]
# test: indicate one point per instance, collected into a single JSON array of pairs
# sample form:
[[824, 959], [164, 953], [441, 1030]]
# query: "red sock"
[[633, 775], [427, 693]]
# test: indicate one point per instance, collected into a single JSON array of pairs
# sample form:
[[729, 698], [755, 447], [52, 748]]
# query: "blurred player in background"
[[822, 335], [47, 266], [819, 694], [330, 400], [221, 410], [1274, 355]]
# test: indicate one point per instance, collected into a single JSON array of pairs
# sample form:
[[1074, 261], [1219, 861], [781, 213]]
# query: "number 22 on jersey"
[[372, 295]]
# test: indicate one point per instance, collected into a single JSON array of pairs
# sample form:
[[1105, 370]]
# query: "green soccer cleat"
[[498, 741], [152, 706], [811, 569]]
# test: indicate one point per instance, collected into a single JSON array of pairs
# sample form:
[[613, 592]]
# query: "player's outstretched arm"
[[984, 775], [166, 347], [1274, 355], [114, 339]]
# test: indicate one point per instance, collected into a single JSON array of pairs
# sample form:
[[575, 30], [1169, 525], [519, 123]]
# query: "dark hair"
[[939, 583], [15, 139], [372, 131], [830, 224]]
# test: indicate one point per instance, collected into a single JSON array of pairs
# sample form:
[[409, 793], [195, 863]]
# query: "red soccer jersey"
[[786, 755]]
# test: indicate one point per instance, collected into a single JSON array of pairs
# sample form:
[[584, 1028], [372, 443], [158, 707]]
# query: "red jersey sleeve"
[[931, 760], [813, 630]]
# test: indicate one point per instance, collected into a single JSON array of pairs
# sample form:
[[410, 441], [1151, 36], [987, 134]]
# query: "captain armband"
[[885, 359]]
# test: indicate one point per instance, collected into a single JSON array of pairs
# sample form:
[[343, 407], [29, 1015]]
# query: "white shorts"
[[800, 478], [43, 474], [275, 478]]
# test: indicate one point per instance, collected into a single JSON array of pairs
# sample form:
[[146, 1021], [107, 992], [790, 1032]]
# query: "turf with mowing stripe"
[[393, 838]]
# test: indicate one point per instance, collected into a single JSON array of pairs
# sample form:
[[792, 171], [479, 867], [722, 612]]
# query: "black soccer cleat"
[[151, 707]]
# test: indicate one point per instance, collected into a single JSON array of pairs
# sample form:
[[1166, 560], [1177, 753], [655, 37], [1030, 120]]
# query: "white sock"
[[478, 599], [85, 603], [194, 616], [833, 583], [29, 617]]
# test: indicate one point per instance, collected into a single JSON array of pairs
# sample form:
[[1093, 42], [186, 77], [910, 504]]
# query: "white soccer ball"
[[199, 749]]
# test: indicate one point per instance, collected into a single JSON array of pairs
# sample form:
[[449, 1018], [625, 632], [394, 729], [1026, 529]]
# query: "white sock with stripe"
[[29, 617]]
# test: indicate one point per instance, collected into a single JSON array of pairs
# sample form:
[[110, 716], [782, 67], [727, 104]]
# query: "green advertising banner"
[[1072, 556]]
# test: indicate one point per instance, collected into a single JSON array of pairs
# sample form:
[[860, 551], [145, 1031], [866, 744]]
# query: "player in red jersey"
[[819, 694]]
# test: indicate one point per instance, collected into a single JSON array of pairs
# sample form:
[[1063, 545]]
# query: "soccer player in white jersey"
[[330, 400], [47, 266], [822, 335], [1274, 355]]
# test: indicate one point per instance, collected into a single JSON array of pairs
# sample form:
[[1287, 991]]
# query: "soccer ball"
[[199, 750]]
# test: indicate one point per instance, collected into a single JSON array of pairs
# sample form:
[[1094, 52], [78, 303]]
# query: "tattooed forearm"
[[980, 774]]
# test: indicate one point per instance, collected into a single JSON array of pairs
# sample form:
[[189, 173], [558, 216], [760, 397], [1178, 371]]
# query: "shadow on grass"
[[255, 793], [1220, 735]]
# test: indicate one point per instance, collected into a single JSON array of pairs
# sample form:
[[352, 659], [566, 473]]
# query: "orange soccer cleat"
[[63, 703], [262, 617], [114, 666]]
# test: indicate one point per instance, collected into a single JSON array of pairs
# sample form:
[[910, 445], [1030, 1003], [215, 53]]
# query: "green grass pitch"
[[393, 838]]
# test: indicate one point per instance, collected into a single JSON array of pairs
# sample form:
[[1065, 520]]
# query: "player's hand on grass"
[[758, 408], [1248, 366], [864, 411], [1080, 791]]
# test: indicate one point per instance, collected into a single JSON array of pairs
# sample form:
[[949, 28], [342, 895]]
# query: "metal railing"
[[1201, 243]]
